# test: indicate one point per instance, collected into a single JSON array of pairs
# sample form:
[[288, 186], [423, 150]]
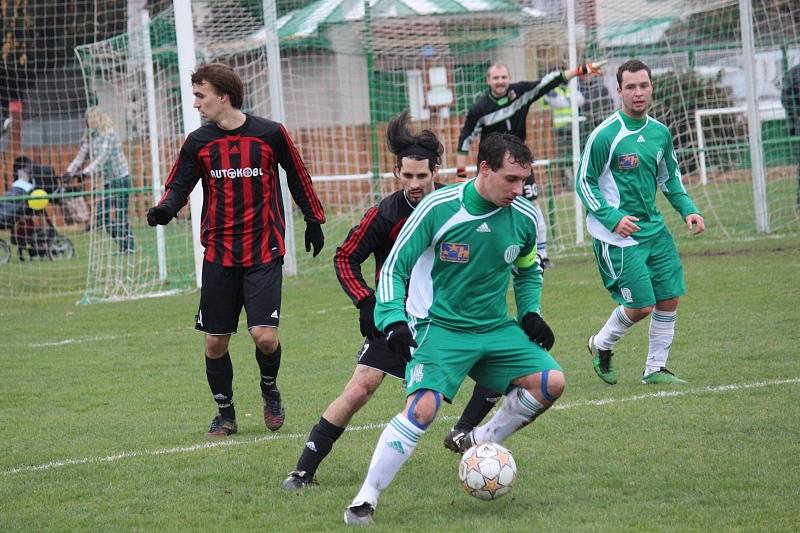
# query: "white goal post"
[[772, 111]]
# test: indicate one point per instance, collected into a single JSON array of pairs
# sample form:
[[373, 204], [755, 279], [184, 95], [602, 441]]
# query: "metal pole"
[[152, 130], [277, 109], [576, 144], [278, 112], [184, 34], [753, 118], [373, 102], [701, 146]]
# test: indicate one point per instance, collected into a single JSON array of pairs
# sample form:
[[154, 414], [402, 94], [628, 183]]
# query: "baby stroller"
[[32, 231], [35, 234]]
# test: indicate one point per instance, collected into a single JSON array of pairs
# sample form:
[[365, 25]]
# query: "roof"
[[305, 22]]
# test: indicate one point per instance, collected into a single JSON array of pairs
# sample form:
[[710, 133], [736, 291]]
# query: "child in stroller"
[[32, 230]]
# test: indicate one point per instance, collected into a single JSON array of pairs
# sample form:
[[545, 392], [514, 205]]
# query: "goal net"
[[349, 66]]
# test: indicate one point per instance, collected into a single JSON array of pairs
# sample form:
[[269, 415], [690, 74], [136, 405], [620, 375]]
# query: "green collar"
[[474, 203]]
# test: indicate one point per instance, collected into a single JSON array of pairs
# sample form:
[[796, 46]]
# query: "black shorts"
[[376, 354], [226, 289]]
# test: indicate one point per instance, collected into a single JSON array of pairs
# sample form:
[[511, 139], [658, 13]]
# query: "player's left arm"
[[671, 184], [298, 179], [527, 281], [527, 273]]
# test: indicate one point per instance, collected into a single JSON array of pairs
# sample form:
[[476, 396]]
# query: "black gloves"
[[314, 237], [400, 340], [158, 215], [538, 331], [366, 318]]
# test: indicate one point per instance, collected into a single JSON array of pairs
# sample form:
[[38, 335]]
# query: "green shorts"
[[493, 359], [643, 274]]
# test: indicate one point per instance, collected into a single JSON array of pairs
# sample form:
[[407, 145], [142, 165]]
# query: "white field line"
[[97, 338], [366, 427]]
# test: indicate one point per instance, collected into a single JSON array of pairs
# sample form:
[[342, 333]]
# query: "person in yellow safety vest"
[[558, 100]]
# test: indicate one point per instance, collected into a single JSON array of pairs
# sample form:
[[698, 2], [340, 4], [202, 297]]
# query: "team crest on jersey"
[[454, 252], [511, 253], [628, 161]]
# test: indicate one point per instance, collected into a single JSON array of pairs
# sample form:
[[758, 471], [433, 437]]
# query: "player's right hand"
[[400, 340], [366, 318], [158, 215], [627, 226], [461, 173]]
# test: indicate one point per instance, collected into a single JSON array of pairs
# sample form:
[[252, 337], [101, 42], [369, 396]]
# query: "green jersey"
[[623, 164], [452, 260]]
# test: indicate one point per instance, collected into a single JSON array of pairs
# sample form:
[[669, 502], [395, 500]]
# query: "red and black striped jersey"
[[243, 220], [374, 235]]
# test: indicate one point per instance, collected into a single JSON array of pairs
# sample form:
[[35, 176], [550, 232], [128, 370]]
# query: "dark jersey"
[[243, 220], [508, 114], [374, 235]]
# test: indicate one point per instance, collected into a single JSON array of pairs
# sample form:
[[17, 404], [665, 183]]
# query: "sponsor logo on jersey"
[[233, 173], [626, 294], [511, 253], [454, 252], [484, 228], [628, 161], [640, 139]]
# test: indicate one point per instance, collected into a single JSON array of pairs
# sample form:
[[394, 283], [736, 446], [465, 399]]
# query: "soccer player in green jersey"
[[626, 160], [441, 301]]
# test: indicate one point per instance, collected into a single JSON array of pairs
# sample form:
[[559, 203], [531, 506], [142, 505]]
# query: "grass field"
[[104, 408]]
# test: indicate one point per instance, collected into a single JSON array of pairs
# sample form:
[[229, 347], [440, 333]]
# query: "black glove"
[[366, 318], [538, 331], [400, 340], [158, 215], [314, 237]]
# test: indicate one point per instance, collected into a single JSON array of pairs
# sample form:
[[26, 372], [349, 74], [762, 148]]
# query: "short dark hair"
[[632, 65], [495, 146], [420, 147], [22, 162], [223, 79]]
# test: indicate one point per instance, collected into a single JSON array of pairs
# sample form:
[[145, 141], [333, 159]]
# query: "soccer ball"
[[38, 199], [487, 471]]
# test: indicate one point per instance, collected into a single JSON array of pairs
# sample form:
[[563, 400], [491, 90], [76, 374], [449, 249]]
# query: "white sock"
[[395, 446], [519, 409], [541, 233], [662, 331], [614, 329]]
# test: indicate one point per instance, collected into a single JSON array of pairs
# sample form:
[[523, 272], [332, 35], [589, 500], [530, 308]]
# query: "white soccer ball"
[[487, 471]]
